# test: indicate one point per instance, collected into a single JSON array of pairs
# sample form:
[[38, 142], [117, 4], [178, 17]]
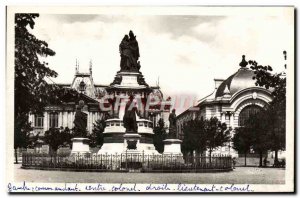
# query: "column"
[[89, 121], [71, 116], [30, 119], [93, 118], [96, 116], [232, 119], [223, 116], [67, 119], [63, 119], [59, 119], [45, 120]]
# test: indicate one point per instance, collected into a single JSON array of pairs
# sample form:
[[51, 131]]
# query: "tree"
[[187, 145], [243, 140], [159, 136], [31, 88], [254, 134], [194, 136], [257, 125], [276, 111], [217, 134], [33, 140], [21, 136], [276, 129], [97, 136], [57, 138]]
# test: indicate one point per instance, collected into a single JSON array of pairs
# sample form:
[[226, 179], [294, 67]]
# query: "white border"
[[290, 80]]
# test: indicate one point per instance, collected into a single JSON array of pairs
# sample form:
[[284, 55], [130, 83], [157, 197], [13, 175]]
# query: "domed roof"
[[240, 80]]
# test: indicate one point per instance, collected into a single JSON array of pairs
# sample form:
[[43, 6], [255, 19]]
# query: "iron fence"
[[127, 162]]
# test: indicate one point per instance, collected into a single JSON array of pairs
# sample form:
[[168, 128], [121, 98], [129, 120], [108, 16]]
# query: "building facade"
[[62, 116], [233, 101]]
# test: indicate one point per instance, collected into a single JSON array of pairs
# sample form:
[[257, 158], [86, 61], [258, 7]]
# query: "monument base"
[[131, 145], [80, 146], [131, 141], [172, 147]]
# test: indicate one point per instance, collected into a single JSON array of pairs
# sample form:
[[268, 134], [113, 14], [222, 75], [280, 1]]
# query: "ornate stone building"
[[58, 116], [233, 101]]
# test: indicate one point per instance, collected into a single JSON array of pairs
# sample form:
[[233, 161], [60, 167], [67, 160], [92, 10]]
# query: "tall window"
[[53, 120], [247, 112], [38, 121], [153, 119]]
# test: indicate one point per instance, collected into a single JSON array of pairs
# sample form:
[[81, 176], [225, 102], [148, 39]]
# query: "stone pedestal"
[[172, 147], [80, 146], [115, 138], [132, 142], [127, 79]]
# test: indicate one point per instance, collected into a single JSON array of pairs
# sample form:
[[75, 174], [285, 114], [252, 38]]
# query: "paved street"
[[250, 175]]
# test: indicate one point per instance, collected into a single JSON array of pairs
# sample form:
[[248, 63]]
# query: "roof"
[[187, 111], [240, 80]]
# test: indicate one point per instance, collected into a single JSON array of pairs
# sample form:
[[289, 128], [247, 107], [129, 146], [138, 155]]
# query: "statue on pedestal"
[[129, 118], [80, 121], [129, 51], [172, 126]]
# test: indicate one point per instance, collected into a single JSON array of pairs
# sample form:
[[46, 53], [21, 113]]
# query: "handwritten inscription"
[[213, 188], [122, 188], [28, 188], [159, 187], [24, 187]]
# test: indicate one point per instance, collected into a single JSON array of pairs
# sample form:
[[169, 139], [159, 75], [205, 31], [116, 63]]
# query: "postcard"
[[173, 99]]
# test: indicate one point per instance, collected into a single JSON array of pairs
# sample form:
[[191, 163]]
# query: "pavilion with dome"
[[232, 101]]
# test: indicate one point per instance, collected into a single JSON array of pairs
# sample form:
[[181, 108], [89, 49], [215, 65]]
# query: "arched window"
[[247, 112]]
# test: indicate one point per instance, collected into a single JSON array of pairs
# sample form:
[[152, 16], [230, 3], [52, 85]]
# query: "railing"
[[128, 162]]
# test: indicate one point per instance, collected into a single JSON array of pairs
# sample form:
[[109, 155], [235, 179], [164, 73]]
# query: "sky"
[[185, 52]]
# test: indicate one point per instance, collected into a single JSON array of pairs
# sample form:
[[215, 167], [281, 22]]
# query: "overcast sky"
[[185, 52]]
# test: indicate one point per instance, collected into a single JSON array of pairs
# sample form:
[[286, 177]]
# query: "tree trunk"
[[245, 158], [16, 155], [260, 158], [53, 154], [276, 157], [210, 150], [55, 157]]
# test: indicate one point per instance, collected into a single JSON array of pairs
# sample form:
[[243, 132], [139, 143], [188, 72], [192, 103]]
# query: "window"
[[53, 120], [38, 121], [153, 119], [247, 112]]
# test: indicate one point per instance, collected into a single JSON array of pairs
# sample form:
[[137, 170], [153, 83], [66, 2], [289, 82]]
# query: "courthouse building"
[[232, 101]]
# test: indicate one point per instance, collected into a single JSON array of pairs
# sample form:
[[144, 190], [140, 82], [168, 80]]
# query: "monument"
[[172, 143], [129, 129], [80, 142]]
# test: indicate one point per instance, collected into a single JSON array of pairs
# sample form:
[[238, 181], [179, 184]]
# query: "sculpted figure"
[[129, 52], [80, 121], [172, 126], [129, 118]]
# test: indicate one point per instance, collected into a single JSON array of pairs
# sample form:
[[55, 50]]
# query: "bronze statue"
[[80, 121], [129, 51], [172, 126], [129, 118]]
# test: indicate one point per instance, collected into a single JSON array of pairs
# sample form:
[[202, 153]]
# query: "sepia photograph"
[[173, 99]]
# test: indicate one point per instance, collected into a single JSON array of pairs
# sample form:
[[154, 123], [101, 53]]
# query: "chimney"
[[218, 82]]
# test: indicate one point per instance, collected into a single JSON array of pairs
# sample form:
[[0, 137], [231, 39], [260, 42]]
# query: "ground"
[[240, 175]]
